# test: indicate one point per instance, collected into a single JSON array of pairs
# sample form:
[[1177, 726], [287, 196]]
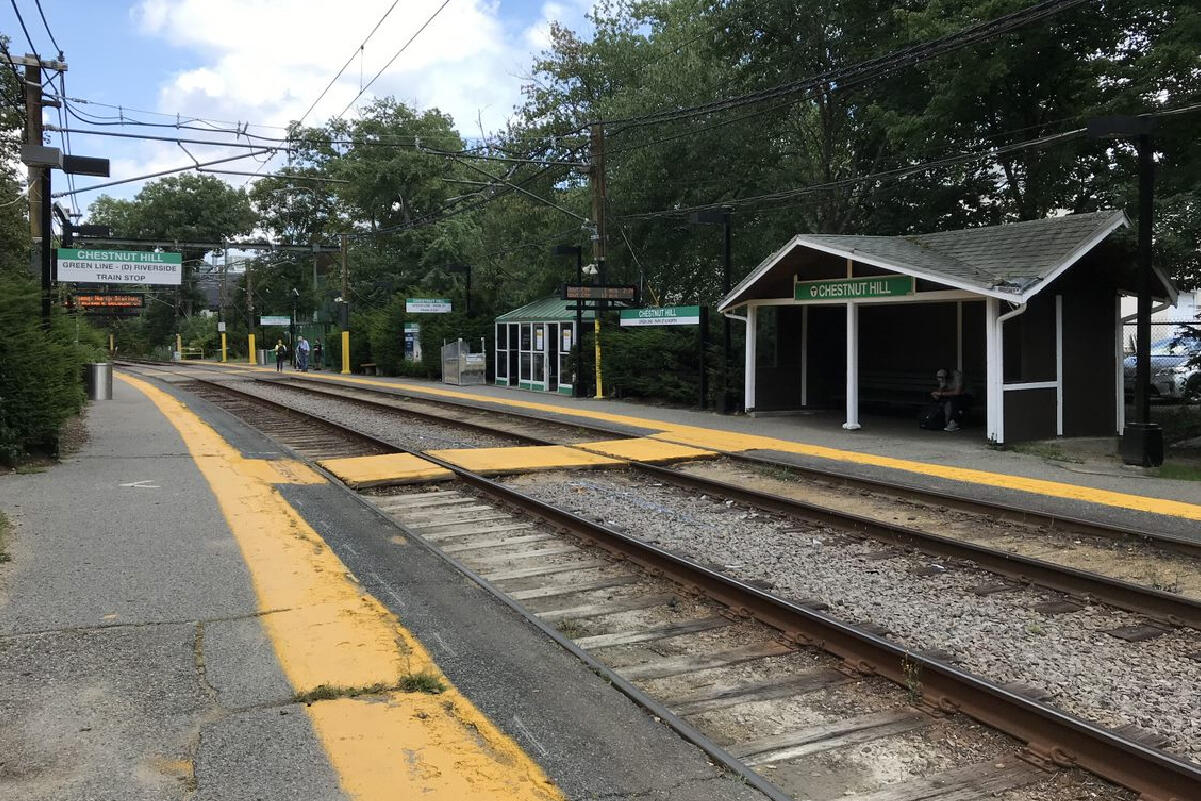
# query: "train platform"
[[188, 613], [1084, 482]]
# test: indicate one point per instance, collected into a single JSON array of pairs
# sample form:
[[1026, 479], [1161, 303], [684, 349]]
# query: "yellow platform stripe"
[[720, 440], [646, 449], [521, 459], [327, 631], [385, 468]]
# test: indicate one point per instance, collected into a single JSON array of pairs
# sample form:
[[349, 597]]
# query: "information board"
[[88, 266], [276, 319], [668, 315], [110, 301], [427, 305], [604, 292]]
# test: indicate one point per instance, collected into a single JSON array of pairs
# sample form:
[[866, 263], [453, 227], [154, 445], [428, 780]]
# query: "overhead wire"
[[158, 174], [395, 56], [16, 10], [844, 77], [46, 25]]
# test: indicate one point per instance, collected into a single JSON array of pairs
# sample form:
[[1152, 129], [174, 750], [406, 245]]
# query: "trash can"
[[267, 356], [98, 380]]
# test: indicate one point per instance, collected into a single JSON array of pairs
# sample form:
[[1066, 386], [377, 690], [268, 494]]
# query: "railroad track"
[[691, 643]]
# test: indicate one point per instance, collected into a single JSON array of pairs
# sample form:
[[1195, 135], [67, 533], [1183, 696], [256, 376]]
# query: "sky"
[[264, 62]]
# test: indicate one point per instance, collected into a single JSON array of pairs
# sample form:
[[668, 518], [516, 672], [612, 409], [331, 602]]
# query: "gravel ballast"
[[397, 428], [1155, 685]]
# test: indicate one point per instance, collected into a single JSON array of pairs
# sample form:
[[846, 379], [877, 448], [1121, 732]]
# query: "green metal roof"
[[546, 310]]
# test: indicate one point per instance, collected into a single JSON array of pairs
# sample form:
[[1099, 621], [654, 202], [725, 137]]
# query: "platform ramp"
[[522, 459], [646, 449], [385, 469]]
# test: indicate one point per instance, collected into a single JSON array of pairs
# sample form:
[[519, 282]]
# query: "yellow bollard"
[[254, 355], [224, 352], [600, 386], [345, 353], [112, 345], [179, 346]]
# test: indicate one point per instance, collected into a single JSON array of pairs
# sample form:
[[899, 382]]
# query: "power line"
[[845, 77], [20, 19], [523, 191], [898, 172], [160, 173], [46, 25], [357, 50], [395, 56]]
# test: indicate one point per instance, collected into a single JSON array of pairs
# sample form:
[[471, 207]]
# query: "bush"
[[41, 376]]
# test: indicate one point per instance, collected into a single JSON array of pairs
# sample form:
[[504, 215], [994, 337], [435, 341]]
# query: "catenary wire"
[[16, 10], [46, 25]]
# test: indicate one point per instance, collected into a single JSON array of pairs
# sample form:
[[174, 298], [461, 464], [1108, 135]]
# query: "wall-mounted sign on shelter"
[[1029, 312], [534, 345]]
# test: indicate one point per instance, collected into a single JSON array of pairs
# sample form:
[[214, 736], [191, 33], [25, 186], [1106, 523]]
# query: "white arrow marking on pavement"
[[145, 484]]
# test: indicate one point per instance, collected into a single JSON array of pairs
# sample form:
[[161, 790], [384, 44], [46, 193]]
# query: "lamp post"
[[466, 270], [567, 250], [1142, 441], [721, 217]]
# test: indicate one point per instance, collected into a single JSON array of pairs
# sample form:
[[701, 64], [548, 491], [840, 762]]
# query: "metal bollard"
[[98, 380]]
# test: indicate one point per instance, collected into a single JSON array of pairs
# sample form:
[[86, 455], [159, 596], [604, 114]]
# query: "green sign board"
[[427, 305], [276, 320], [883, 286], [668, 315]]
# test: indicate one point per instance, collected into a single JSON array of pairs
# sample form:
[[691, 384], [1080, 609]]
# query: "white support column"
[[752, 330], [1119, 367], [1059, 365], [994, 396], [852, 422], [804, 356]]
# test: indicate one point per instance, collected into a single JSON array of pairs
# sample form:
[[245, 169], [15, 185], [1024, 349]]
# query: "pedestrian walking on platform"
[[318, 355], [302, 355], [281, 353]]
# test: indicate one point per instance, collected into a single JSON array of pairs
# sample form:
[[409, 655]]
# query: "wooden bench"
[[368, 368], [902, 390]]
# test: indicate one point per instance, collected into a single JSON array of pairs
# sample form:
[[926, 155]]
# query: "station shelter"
[[534, 345], [1029, 312]]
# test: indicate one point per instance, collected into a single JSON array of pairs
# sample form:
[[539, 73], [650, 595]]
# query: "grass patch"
[[4, 528], [571, 629], [413, 683], [1181, 471], [1046, 450], [29, 469]]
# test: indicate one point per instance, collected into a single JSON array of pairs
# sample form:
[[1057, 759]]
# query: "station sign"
[[427, 305], [276, 319], [883, 286], [600, 292], [106, 301], [145, 267], [668, 315]]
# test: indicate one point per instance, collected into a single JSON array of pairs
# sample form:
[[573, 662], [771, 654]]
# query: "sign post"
[[145, 267]]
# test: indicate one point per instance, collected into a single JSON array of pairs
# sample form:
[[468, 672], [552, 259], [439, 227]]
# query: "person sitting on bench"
[[950, 393]]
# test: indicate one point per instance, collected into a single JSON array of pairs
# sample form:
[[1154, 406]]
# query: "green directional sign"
[[882, 286], [668, 315]]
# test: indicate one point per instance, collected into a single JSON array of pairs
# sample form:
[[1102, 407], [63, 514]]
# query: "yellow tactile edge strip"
[[327, 631], [718, 440]]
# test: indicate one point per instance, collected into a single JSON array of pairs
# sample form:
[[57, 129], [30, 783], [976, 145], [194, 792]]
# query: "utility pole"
[[33, 136], [345, 307], [596, 175], [221, 302]]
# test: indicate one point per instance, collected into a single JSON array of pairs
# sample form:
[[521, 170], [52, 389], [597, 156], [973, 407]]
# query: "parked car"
[[1175, 367]]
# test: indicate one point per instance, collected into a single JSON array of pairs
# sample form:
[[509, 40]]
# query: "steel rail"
[[1165, 607], [1050, 520], [1052, 735]]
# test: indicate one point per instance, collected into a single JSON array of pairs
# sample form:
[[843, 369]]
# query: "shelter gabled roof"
[[544, 310], [1013, 261]]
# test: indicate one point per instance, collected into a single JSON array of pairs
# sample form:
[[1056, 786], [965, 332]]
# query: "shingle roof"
[[545, 310], [1012, 261]]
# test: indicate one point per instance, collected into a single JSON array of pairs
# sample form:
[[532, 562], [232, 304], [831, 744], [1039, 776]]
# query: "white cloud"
[[267, 60]]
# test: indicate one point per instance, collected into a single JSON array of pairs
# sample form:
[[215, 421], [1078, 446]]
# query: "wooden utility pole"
[[345, 307], [596, 177], [33, 136]]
